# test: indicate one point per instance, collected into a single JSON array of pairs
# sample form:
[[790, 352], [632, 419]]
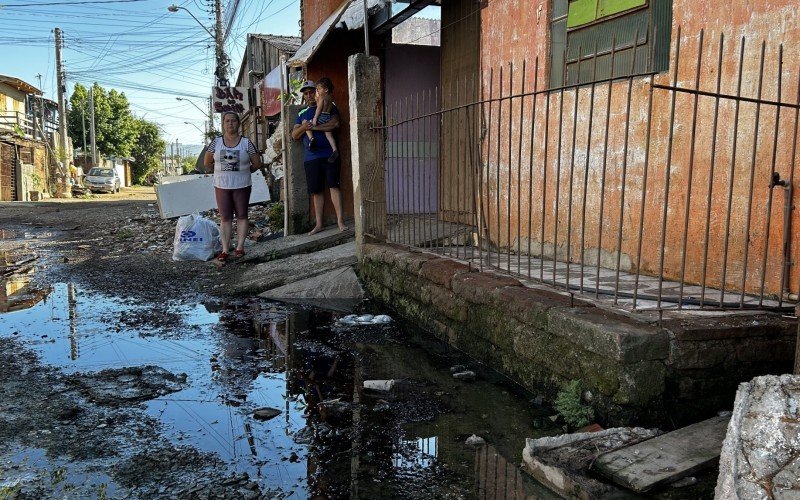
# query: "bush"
[[570, 406]]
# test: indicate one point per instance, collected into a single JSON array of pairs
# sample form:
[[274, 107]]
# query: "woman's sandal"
[[238, 253], [222, 257]]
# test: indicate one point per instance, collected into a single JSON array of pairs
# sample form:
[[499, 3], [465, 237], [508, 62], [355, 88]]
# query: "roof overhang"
[[20, 85], [307, 50]]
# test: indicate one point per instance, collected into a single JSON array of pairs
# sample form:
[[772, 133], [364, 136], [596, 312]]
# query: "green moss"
[[569, 405]]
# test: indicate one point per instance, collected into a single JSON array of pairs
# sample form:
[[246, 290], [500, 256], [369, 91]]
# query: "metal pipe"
[[572, 171], [667, 168], [530, 163], [488, 169], [544, 186], [691, 171], [787, 208], [558, 173], [586, 167], [772, 176], [499, 116], [730, 179], [603, 175], [711, 171], [519, 172], [644, 181], [509, 160], [624, 167], [752, 176]]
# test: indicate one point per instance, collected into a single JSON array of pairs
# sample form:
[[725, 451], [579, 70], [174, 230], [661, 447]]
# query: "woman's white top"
[[232, 164]]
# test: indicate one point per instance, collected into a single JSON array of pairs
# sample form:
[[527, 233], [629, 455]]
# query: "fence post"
[[366, 146]]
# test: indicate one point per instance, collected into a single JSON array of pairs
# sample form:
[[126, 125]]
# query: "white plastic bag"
[[196, 238]]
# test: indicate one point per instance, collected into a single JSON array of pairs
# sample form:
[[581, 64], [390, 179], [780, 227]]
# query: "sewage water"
[[330, 438]]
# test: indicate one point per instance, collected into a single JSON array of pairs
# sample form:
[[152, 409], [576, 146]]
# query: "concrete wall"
[[637, 371], [776, 22]]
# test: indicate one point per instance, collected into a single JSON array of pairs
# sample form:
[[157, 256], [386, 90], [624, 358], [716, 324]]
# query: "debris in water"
[[266, 413], [474, 440]]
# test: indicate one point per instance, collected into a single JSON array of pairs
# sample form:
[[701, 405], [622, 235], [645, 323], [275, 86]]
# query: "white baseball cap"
[[308, 84]]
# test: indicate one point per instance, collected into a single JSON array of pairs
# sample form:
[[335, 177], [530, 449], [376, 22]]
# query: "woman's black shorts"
[[319, 171]]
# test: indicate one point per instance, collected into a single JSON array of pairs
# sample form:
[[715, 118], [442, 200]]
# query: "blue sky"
[[136, 46]]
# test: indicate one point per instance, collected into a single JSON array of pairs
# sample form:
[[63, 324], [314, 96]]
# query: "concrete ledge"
[[542, 338]]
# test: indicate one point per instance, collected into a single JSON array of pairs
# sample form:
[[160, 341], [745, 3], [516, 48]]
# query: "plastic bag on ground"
[[196, 238]]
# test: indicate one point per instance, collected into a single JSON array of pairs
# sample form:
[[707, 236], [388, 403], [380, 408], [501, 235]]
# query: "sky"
[[136, 47]]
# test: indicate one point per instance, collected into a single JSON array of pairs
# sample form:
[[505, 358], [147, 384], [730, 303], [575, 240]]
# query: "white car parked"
[[102, 179]]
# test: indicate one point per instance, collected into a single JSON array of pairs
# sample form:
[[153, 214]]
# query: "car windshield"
[[101, 172]]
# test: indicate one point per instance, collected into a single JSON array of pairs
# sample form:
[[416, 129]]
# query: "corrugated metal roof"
[[288, 44], [306, 51]]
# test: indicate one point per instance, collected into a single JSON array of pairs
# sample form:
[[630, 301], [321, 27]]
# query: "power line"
[[82, 2]]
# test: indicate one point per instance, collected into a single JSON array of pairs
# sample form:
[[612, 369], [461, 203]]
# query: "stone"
[[759, 454], [266, 413], [474, 440], [466, 376]]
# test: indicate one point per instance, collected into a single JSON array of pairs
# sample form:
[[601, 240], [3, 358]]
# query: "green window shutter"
[[581, 12], [611, 7]]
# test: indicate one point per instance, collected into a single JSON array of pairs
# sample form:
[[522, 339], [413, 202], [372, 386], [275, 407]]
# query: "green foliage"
[[275, 214], [188, 164], [568, 403], [115, 126], [293, 95], [8, 492], [36, 180], [146, 151]]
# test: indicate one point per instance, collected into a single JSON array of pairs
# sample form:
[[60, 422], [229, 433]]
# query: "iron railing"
[[657, 190]]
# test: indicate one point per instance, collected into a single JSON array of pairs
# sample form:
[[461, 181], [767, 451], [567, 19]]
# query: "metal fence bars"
[[662, 190]]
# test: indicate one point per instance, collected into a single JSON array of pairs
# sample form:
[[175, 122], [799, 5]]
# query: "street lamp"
[[219, 40], [195, 126], [210, 116]]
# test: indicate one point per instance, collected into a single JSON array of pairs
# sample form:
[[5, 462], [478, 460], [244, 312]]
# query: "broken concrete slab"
[[269, 275], [339, 283], [664, 459], [296, 244], [186, 194], [562, 462], [760, 453]]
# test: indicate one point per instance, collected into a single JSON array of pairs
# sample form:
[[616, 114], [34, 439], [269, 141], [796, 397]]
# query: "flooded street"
[[129, 378]]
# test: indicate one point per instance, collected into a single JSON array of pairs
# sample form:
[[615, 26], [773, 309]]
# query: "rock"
[[759, 454], [379, 385], [458, 368], [466, 376], [266, 413], [474, 440]]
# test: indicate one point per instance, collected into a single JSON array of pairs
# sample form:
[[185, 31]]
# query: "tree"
[[115, 125], [147, 149]]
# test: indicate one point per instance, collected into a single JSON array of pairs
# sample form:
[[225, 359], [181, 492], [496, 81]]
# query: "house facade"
[[28, 141]]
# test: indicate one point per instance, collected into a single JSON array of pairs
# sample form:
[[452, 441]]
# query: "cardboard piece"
[[187, 194]]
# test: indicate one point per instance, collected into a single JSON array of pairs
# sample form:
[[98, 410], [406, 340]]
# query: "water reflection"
[[331, 439]]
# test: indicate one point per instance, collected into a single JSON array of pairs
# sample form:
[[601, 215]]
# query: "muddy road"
[[124, 374]]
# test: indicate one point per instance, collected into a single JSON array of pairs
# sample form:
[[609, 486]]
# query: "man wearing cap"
[[318, 169]]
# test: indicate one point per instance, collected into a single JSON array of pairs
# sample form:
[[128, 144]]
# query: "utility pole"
[[41, 109], [83, 128], [95, 159], [222, 64], [62, 87]]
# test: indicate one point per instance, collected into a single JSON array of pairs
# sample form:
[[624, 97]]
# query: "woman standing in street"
[[234, 158]]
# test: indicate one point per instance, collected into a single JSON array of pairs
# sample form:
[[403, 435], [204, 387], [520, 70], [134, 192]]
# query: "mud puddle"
[[104, 397]]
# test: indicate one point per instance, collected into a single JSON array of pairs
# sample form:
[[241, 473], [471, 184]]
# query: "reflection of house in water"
[[15, 293]]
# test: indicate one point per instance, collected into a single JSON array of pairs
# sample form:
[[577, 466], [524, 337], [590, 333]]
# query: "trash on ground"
[[474, 440], [364, 319]]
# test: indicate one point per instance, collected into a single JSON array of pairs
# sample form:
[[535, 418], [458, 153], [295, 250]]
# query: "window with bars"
[[597, 39]]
